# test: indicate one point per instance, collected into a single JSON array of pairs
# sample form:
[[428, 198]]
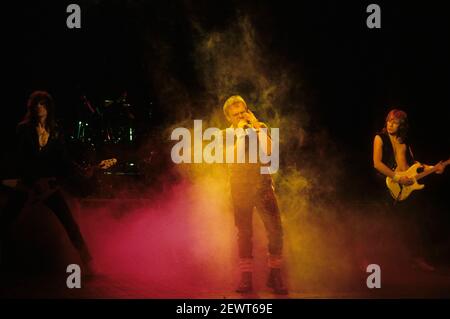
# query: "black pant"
[[57, 204], [245, 198], [416, 215]]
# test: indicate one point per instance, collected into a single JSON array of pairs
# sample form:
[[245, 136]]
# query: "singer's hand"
[[255, 123], [249, 116], [244, 124]]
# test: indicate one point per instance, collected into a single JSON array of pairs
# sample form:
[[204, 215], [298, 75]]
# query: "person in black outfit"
[[392, 154], [40, 155]]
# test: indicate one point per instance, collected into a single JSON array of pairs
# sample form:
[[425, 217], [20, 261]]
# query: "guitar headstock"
[[108, 163]]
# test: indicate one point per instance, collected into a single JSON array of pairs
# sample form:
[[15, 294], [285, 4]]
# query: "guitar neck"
[[105, 164], [430, 171]]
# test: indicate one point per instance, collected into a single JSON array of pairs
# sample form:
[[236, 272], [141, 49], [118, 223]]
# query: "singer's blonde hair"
[[232, 100]]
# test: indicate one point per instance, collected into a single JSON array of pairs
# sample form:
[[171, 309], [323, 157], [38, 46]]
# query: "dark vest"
[[388, 152], [247, 175]]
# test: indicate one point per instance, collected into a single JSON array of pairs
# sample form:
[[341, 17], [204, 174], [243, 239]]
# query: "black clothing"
[[414, 212], [388, 152], [56, 203], [249, 189], [263, 198], [34, 162]]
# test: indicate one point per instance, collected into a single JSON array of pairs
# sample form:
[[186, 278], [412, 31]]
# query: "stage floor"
[[419, 285], [143, 255]]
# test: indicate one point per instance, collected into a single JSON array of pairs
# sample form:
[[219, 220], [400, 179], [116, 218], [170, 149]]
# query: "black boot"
[[275, 282], [245, 285]]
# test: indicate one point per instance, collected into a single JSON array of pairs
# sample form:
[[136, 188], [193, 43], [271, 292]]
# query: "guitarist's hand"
[[405, 181], [88, 171], [439, 167]]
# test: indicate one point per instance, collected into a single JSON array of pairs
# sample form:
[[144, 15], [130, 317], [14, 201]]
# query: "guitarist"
[[41, 154], [393, 154]]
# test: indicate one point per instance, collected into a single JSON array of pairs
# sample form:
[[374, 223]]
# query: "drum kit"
[[110, 123], [105, 130]]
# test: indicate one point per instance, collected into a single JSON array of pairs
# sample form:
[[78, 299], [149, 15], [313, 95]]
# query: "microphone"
[[245, 124]]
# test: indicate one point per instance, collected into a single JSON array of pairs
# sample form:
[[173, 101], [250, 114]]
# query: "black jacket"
[[32, 162]]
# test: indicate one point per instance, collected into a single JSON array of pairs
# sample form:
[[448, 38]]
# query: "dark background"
[[351, 75]]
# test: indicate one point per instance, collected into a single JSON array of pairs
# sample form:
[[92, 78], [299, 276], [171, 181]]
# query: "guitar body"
[[402, 192], [41, 189]]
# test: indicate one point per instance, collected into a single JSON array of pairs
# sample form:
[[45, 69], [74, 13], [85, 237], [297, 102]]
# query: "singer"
[[251, 189]]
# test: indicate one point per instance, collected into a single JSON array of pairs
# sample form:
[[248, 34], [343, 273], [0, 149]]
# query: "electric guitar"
[[88, 170], [401, 192], [43, 188]]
